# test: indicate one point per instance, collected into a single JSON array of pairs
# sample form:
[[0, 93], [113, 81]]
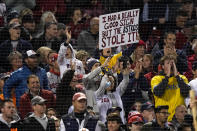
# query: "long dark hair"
[[115, 81]]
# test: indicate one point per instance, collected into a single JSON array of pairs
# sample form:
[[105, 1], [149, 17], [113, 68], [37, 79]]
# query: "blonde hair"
[[43, 17], [42, 50], [13, 55], [24, 12], [81, 54]]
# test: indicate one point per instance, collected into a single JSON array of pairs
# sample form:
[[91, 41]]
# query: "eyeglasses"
[[165, 113]]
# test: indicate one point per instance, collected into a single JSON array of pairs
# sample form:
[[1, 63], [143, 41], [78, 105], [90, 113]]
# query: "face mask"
[[108, 84]]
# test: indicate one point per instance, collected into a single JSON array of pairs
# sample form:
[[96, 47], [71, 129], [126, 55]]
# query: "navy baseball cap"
[[146, 106], [113, 109]]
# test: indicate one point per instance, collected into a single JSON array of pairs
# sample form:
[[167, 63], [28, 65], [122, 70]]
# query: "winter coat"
[[18, 80], [25, 101], [6, 48]]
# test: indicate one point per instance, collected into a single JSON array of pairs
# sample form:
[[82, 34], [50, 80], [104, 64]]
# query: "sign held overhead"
[[120, 28]]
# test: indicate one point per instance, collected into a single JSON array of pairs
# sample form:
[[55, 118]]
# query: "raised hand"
[[72, 65], [168, 69], [174, 68], [68, 35], [105, 64]]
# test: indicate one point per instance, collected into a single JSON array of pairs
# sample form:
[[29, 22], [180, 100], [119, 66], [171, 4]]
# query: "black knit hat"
[[91, 62], [12, 15]]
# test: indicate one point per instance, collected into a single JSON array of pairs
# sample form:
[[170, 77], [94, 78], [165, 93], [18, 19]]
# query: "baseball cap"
[[187, 1], [146, 106], [37, 100], [78, 96], [159, 108], [4, 76], [135, 119], [134, 113], [91, 62], [141, 43], [14, 25], [31, 53], [13, 14], [113, 109]]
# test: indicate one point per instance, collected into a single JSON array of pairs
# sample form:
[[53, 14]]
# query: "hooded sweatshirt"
[[64, 63]]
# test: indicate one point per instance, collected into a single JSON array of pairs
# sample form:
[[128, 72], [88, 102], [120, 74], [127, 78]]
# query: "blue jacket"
[[71, 123], [18, 80]]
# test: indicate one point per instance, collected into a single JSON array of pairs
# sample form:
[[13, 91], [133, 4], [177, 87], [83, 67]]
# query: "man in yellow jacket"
[[169, 88]]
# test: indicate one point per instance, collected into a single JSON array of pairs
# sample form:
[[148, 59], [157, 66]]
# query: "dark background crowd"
[[53, 76]]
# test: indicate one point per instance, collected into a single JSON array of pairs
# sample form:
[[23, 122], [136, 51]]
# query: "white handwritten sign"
[[119, 28]]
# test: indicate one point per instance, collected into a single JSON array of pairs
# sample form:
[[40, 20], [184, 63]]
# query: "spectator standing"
[[14, 43], [138, 53], [114, 122], [88, 39], [79, 118], [20, 4], [47, 38], [177, 26], [77, 24], [38, 120], [70, 84], [192, 83], [12, 17], [15, 59], [29, 24], [34, 89], [54, 73], [8, 113], [135, 121], [18, 79], [169, 88], [147, 111], [46, 17], [137, 88], [66, 56], [3, 78], [169, 48], [179, 115], [83, 56], [109, 94], [43, 58], [160, 123]]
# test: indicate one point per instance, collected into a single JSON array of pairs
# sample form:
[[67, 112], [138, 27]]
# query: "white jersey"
[[64, 64], [193, 85], [53, 81], [106, 101]]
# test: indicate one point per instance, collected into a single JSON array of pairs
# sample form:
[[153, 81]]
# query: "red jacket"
[[25, 101], [189, 73]]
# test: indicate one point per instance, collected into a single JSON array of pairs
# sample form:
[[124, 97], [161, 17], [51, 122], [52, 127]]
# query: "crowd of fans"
[[54, 77]]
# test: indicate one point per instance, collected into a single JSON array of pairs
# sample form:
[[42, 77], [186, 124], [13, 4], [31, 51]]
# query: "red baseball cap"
[[141, 43], [78, 96], [135, 119]]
